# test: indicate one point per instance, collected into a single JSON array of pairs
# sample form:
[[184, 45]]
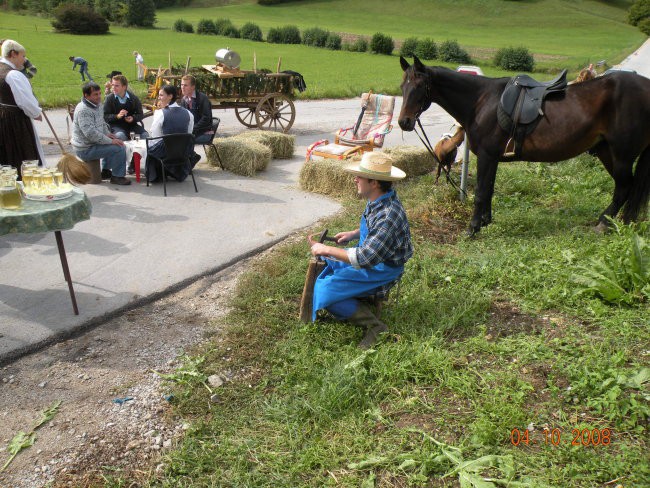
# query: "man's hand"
[[116, 141], [122, 113], [318, 249], [345, 237]]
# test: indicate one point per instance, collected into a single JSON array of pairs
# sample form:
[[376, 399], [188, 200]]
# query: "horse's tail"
[[640, 193]]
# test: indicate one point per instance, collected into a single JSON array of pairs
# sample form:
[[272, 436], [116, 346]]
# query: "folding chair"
[[366, 134], [178, 152], [210, 143]]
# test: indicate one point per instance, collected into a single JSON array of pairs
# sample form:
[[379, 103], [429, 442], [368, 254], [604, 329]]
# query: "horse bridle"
[[427, 144]]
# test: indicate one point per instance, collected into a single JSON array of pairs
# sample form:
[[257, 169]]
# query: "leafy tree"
[[451, 52], [206, 26], [358, 46], [315, 36], [333, 41], [78, 19], [382, 44], [514, 59], [251, 32], [408, 47], [644, 26], [221, 26], [426, 49], [639, 11], [141, 13], [183, 26]]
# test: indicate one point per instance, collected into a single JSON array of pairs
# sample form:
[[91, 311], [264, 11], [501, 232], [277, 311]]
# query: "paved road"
[[639, 60], [139, 244]]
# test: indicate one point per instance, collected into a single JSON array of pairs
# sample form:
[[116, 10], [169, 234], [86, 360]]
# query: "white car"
[[472, 70]]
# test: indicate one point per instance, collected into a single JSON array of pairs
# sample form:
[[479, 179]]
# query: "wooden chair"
[[366, 134]]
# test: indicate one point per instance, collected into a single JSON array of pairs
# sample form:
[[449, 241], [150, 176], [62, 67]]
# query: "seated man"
[[377, 261], [170, 118], [199, 104], [123, 110], [91, 138]]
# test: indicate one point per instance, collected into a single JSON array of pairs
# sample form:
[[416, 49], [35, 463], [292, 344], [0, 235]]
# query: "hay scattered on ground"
[[282, 145], [326, 176], [414, 161], [242, 157]]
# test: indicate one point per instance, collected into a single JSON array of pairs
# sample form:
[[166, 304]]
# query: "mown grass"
[[561, 34], [487, 335]]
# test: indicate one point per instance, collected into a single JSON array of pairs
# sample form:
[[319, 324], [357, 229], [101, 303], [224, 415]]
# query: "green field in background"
[[560, 34]]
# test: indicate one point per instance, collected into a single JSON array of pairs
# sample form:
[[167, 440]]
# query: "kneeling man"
[[377, 261]]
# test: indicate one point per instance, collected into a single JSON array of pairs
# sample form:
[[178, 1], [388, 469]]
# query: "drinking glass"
[[9, 194], [58, 179], [137, 137], [28, 179], [132, 136], [28, 164]]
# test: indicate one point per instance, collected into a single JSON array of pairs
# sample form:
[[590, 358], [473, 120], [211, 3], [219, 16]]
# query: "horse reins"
[[427, 144], [429, 147]]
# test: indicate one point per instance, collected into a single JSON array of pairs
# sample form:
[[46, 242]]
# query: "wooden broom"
[[74, 169]]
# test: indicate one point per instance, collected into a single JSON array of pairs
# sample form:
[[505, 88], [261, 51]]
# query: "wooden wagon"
[[260, 99]]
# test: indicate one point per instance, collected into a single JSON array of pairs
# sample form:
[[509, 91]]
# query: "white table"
[[136, 150]]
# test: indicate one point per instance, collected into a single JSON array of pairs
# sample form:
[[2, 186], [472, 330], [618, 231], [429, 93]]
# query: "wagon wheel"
[[246, 116], [275, 112]]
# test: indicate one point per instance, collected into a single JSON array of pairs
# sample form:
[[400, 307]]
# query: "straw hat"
[[376, 166]]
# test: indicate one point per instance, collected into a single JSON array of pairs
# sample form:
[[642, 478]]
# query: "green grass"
[[488, 335], [569, 35]]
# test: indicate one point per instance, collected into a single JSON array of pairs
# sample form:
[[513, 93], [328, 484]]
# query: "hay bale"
[[414, 161], [281, 145], [326, 176], [242, 157]]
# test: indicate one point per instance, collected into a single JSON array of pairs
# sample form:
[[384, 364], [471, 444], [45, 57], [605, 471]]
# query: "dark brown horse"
[[609, 115]]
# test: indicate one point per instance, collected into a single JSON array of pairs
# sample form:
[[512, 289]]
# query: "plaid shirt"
[[389, 238]]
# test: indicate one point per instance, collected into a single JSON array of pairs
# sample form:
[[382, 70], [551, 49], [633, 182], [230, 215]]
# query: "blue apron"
[[339, 281]]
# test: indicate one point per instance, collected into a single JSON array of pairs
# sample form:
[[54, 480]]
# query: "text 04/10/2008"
[[553, 437]]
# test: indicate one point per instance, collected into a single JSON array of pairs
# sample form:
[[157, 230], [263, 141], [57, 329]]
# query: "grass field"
[[561, 34], [488, 335]]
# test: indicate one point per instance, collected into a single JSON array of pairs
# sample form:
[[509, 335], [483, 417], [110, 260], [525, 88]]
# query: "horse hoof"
[[601, 228], [471, 232]]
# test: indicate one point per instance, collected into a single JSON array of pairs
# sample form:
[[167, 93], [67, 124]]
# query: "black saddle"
[[520, 107]]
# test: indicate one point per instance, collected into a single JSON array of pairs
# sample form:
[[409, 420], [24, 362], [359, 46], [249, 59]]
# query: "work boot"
[[120, 180], [106, 174], [374, 327]]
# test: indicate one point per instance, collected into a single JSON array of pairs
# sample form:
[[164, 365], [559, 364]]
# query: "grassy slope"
[[488, 335], [569, 35]]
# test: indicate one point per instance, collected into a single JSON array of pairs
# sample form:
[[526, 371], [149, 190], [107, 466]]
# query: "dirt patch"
[[115, 410]]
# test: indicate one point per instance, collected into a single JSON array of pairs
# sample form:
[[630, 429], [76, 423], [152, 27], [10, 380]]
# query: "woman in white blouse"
[[169, 118]]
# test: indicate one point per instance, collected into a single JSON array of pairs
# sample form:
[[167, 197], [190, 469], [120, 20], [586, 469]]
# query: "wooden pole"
[[169, 55], [254, 62], [279, 64], [187, 66]]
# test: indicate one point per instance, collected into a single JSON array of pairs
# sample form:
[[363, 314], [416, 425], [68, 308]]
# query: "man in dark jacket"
[[199, 104], [123, 110]]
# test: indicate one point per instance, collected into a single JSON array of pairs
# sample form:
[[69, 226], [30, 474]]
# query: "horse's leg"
[[486, 174], [619, 167]]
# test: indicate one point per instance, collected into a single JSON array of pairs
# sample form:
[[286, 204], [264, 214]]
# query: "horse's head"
[[415, 93]]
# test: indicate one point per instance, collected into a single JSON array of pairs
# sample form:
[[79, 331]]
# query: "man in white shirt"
[[18, 108]]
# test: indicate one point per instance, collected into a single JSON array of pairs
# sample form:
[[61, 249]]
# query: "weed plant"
[[490, 340]]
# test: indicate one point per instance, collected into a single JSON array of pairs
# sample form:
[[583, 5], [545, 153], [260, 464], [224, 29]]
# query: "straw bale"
[[242, 157], [281, 145], [326, 176], [414, 161]]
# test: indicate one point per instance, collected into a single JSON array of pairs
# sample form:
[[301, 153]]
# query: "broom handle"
[[52, 129]]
